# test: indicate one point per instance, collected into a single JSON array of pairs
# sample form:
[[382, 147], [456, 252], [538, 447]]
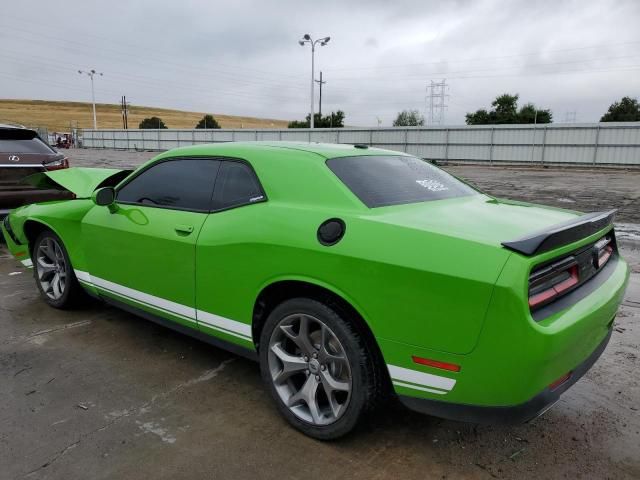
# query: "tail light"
[[57, 164], [602, 251], [552, 281]]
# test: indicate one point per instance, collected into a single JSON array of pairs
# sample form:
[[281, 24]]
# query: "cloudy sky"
[[242, 57]]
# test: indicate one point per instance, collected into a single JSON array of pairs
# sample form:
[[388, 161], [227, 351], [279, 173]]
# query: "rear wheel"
[[52, 269], [317, 368]]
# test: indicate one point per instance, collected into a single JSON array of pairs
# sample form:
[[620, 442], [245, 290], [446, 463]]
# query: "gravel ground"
[[99, 393]]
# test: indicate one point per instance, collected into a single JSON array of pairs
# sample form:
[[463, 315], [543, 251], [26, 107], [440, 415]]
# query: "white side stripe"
[[84, 276], [421, 378], [217, 321], [146, 298], [27, 262], [228, 332], [221, 324], [416, 387]]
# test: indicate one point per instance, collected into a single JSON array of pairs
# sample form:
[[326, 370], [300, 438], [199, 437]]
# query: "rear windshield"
[[380, 181], [34, 145]]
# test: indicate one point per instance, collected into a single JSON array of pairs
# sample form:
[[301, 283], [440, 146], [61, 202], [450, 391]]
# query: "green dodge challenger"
[[350, 273]]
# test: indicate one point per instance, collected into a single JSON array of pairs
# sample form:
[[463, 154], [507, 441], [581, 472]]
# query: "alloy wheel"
[[51, 268], [309, 369]]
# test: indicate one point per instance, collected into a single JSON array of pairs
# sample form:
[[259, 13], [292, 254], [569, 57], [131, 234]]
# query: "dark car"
[[22, 153]]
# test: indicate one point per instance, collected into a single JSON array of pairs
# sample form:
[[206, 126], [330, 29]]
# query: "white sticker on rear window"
[[432, 185]]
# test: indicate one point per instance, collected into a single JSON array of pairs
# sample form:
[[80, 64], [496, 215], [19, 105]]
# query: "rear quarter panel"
[[410, 286]]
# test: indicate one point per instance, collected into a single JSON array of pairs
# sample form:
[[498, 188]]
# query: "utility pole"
[[322, 41], [91, 73], [124, 106], [533, 141], [320, 82], [435, 102]]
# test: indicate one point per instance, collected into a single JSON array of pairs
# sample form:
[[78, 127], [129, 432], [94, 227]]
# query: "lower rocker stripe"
[[210, 320], [155, 307], [417, 387], [420, 378], [222, 330]]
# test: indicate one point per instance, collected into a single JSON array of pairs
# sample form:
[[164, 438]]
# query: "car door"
[[143, 254], [224, 291]]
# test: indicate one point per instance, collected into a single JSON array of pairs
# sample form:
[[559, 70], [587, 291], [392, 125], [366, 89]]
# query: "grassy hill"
[[57, 116]]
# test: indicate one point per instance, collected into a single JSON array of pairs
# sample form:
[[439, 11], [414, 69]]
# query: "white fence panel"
[[591, 144]]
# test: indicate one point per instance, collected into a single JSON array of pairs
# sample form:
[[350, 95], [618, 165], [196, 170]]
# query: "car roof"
[[322, 151], [7, 127]]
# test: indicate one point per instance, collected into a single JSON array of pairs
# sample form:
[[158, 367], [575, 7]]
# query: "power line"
[[483, 59], [30, 23], [449, 73]]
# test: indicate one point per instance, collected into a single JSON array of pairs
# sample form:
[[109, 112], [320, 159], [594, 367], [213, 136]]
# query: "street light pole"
[[313, 78], [322, 41], [91, 73]]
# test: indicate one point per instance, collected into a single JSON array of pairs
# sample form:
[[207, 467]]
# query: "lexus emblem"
[[14, 158]]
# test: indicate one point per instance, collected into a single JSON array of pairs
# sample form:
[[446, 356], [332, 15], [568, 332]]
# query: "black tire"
[[72, 293], [366, 384]]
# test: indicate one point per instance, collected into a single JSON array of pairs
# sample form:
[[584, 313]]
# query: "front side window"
[[380, 181], [182, 184], [236, 185]]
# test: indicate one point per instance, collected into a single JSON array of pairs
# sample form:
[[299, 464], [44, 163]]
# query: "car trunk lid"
[[478, 218]]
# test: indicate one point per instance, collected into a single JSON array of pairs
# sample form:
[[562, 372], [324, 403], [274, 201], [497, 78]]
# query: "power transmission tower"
[[320, 82], [435, 102], [570, 117]]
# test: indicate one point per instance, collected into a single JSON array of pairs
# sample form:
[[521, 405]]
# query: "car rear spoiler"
[[561, 233]]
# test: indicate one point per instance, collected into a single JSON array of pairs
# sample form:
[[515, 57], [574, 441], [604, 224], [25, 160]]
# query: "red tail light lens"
[[602, 252], [57, 164], [549, 282]]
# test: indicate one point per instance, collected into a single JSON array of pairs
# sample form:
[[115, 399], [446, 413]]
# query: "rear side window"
[[380, 181], [181, 184], [237, 185], [34, 145]]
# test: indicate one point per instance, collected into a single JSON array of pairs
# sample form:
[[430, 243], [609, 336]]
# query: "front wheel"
[[317, 368], [52, 270]]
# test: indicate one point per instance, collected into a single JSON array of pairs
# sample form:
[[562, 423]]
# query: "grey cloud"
[[243, 58]]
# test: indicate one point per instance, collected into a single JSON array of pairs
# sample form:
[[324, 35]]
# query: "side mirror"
[[105, 197]]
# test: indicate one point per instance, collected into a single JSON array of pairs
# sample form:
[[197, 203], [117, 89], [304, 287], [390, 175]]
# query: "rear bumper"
[[523, 412]]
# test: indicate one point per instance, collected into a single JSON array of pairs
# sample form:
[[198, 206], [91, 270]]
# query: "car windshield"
[[380, 181]]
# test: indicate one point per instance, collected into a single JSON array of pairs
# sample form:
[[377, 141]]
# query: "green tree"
[[505, 111], [530, 114], [409, 118], [334, 120], [208, 122], [480, 117], [152, 122], [505, 108], [626, 110]]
